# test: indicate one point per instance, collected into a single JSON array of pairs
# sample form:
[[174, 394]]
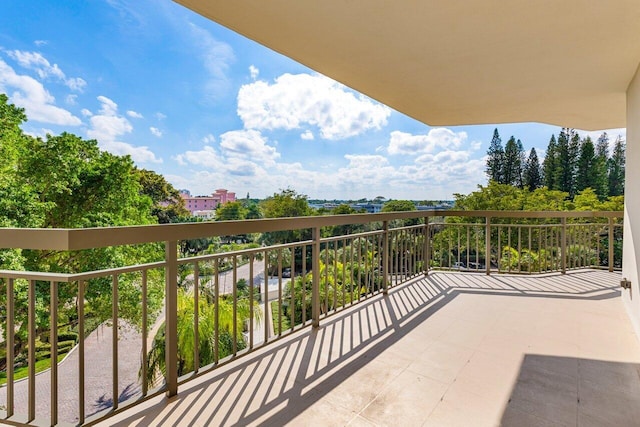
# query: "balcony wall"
[[332, 274]]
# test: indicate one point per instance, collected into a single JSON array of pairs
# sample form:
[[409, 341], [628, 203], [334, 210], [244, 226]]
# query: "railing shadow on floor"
[[553, 390], [303, 367]]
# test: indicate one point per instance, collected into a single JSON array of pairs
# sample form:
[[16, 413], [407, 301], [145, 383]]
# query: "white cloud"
[[207, 157], [217, 58], [612, 134], [160, 116], [71, 99], [209, 139], [134, 114], [155, 131], [108, 126], [254, 71], [248, 145], [406, 143], [35, 61], [40, 43], [86, 112], [30, 94], [307, 135], [293, 100]]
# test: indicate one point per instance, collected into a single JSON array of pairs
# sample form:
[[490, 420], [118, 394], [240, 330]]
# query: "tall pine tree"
[[616, 169], [549, 164], [563, 172], [532, 172], [495, 159], [512, 168], [574, 155], [522, 163], [600, 167], [585, 177]]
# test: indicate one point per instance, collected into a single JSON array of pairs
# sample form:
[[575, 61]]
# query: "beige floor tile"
[[359, 421], [493, 376], [461, 408], [466, 332], [360, 386], [460, 358], [441, 361], [407, 401]]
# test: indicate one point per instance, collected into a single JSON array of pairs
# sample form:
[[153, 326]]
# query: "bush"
[[43, 354], [67, 336]]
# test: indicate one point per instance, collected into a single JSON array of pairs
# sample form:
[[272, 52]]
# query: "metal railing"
[[220, 306]]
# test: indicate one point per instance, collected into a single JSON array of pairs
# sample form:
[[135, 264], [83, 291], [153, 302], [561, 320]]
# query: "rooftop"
[[446, 349]]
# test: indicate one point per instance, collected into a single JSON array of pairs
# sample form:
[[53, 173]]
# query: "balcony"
[[418, 318]]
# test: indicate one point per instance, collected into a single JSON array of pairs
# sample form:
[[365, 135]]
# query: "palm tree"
[[155, 359]]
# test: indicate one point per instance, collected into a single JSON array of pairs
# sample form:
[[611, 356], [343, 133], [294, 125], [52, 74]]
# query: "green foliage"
[[66, 181], [286, 204], [401, 206], [532, 172], [586, 164], [231, 211], [617, 168], [549, 165], [208, 324], [495, 158], [167, 205]]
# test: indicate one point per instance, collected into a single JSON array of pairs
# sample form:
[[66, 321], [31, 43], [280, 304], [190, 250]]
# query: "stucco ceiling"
[[454, 62]]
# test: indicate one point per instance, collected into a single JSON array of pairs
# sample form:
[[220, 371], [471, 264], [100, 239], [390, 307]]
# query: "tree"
[[66, 181], [574, 154], [285, 204], [563, 173], [522, 164], [398, 206], [585, 177], [167, 205], [600, 172], [512, 165], [495, 158], [532, 172], [253, 211], [549, 164], [617, 168], [207, 344], [231, 211], [401, 206]]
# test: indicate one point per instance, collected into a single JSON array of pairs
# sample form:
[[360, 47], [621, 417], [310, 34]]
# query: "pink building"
[[207, 203]]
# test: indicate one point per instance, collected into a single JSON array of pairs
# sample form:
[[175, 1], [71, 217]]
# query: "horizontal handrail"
[[68, 239]]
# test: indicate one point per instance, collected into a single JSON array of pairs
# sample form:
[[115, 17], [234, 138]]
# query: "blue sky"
[[209, 109]]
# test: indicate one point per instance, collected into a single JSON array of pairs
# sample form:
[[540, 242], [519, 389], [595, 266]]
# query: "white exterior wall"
[[631, 245]]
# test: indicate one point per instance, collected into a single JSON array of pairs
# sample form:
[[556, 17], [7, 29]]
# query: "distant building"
[[206, 203], [368, 207], [206, 215]]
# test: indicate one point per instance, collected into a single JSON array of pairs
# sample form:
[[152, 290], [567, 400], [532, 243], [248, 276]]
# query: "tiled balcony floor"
[[451, 349]]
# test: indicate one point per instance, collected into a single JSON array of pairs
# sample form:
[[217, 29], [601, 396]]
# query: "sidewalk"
[[98, 376]]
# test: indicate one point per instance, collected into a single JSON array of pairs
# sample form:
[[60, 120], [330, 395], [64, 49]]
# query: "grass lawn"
[[23, 372]]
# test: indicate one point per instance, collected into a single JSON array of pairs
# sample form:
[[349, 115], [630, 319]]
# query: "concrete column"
[[631, 246]]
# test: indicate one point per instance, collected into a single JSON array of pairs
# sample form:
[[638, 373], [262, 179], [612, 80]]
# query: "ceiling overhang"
[[457, 62]]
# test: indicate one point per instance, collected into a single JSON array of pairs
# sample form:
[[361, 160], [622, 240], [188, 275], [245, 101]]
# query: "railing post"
[[171, 317], [385, 257], [610, 245], [427, 246], [487, 240], [315, 284], [563, 245]]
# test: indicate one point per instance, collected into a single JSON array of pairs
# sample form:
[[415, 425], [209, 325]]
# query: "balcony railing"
[[218, 307]]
